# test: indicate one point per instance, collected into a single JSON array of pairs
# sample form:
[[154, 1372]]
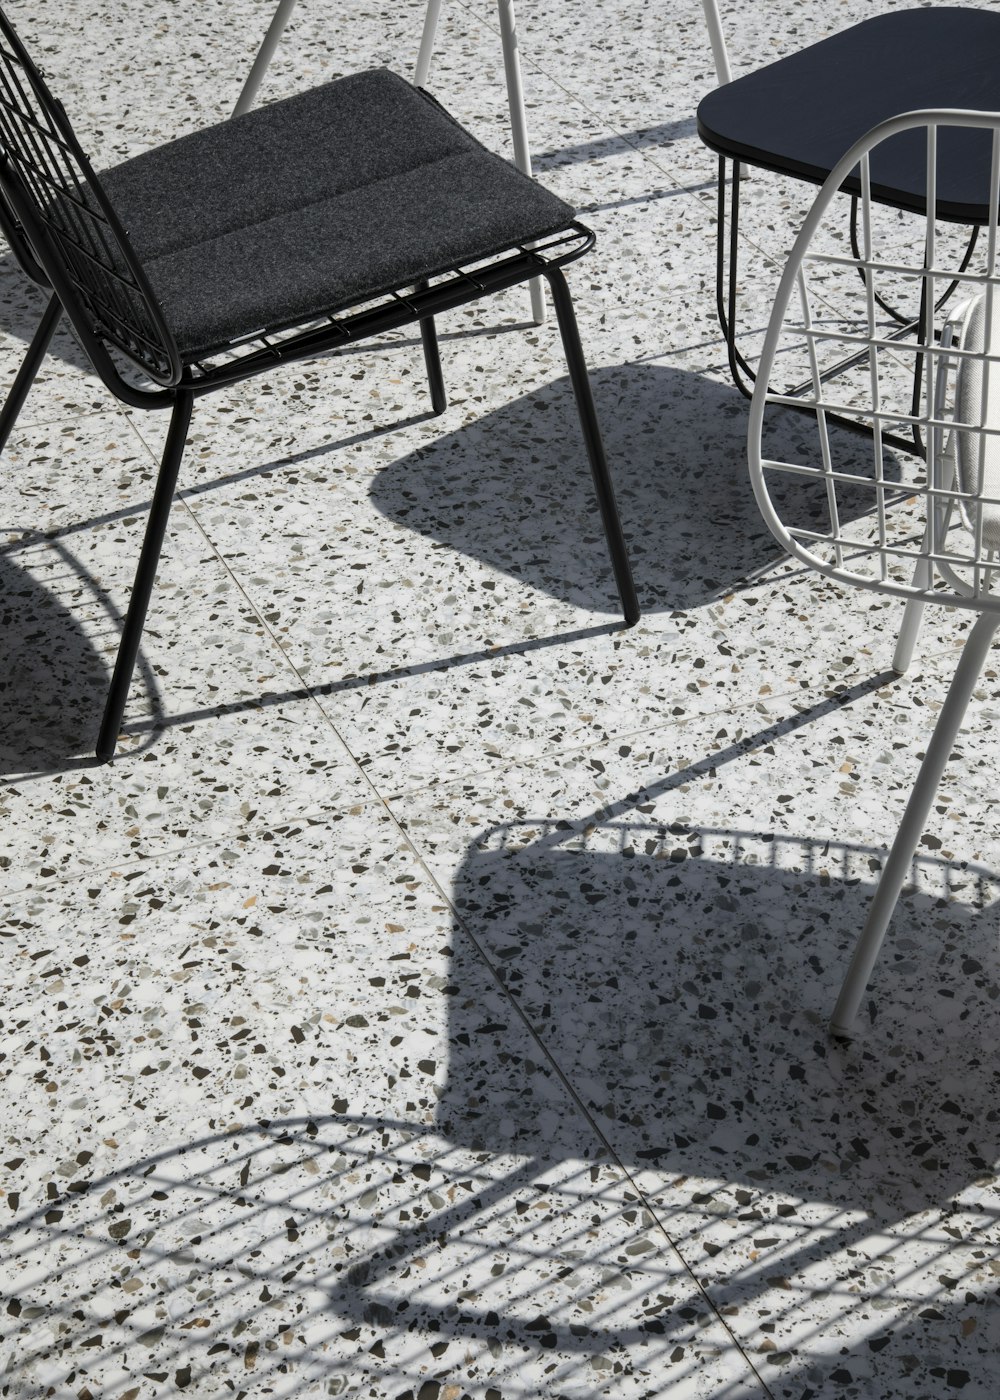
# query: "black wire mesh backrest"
[[73, 232]]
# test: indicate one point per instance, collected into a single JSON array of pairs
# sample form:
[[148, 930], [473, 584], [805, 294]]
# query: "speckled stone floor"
[[430, 1001]]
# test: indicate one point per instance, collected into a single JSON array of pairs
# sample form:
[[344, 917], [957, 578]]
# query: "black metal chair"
[[351, 209], [798, 115]]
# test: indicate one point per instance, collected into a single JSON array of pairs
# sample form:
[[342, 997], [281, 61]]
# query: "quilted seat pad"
[[305, 206]]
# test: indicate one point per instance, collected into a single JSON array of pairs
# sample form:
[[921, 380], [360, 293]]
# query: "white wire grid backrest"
[[921, 523]]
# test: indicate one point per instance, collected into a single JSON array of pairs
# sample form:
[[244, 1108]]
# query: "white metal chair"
[[512, 74], [923, 529]]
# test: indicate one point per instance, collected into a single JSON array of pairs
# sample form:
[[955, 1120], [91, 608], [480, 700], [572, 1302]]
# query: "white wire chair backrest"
[[922, 523]]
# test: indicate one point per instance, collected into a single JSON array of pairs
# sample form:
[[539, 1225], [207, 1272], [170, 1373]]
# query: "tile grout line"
[[459, 920], [707, 208], [549, 1058], [508, 997]]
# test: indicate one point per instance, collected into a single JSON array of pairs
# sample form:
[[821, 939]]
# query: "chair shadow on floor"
[[52, 675], [681, 977], [21, 306], [678, 976], [511, 491]]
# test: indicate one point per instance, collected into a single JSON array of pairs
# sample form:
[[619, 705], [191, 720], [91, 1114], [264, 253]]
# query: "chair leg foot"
[[910, 828], [607, 504], [29, 368], [145, 576]]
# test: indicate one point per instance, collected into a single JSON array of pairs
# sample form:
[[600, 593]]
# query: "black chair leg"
[[145, 575], [432, 359], [29, 368], [595, 447]]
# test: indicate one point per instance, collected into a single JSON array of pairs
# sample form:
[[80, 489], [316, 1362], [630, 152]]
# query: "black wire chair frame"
[[66, 236]]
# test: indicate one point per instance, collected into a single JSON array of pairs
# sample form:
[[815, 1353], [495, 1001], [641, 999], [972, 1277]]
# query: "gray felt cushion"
[[304, 206]]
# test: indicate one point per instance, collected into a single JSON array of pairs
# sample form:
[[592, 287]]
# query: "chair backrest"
[[61, 224], [919, 523]]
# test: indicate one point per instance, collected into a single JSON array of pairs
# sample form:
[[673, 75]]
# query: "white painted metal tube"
[[518, 122], [718, 41], [265, 53], [911, 827], [423, 68], [912, 615]]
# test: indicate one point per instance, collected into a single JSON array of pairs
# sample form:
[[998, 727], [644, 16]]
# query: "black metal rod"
[[29, 368], [720, 247], [145, 575], [725, 276], [725, 279], [579, 378], [726, 303], [890, 310], [736, 360], [432, 360]]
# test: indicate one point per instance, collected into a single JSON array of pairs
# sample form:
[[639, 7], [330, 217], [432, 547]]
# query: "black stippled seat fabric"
[[310, 204], [800, 114]]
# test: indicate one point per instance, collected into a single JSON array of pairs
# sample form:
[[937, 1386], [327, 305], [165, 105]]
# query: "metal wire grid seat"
[[453, 287], [70, 238], [926, 529]]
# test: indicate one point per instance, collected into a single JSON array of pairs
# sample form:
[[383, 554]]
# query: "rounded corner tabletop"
[[798, 115]]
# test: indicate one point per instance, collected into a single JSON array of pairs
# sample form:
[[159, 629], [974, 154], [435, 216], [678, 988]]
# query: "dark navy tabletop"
[[800, 114]]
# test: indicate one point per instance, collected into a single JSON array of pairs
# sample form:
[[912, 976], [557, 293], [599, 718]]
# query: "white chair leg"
[[909, 630], [720, 56], [912, 616], [718, 41], [894, 872], [423, 68], [944, 459], [265, 53], [518, 124]]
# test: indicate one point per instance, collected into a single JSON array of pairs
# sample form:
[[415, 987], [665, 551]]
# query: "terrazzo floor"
[[430, 1000]]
